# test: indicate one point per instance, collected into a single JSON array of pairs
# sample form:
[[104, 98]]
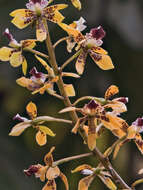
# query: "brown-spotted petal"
[[139, 142], [40, 30], [80, 62], [5, 53], [31, 110], [41, 138], [48, 159], [111, 91]]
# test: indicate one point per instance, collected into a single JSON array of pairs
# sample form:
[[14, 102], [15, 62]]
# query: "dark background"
[[122, 20]]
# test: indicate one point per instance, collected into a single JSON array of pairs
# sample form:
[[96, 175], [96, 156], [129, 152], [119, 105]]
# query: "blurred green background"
[[122, 20]]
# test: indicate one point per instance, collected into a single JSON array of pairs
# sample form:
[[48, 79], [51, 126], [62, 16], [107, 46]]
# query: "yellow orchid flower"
[[48, 172], [97, 116], [89, 44], [13, 53], [42, 131], [37, 12]]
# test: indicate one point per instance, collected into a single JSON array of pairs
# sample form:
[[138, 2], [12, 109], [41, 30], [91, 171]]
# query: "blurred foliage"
[[122, 20]]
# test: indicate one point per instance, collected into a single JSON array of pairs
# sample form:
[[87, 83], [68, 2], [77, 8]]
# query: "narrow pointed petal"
[[16, 59], [41, 138], [68, 109], [5, 53], [41, 33], [65, 181], [48, 159], [108, 182], [24, 66], [111, 91], [46, 66], [85, 182], [91, 140], [19, 128], [21, 13], [82, 167], [103, 61], [65, 74], [31, 110], [73, 32], [76, 127], [80, 63]]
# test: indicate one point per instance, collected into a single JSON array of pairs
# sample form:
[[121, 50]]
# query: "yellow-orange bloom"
[[49, 172], [37, 13], [13, 54], [89, 44], [76, 3]]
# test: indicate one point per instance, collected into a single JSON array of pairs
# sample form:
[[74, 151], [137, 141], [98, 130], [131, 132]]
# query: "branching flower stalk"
[[96, 115]]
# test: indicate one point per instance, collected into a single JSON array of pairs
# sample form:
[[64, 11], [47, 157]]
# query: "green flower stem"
[[52, 60], [61, 161], [48, 118], [59, 41], [37, 52], [70, 60], [100, 100]]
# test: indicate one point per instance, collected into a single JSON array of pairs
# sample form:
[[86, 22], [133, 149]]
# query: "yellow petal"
[[44, 63], [99, 50], [24, 66], [80, 63], [41, 138], [19, 128], [65, 74], [68, 109], [16, 59], [103, 61], [108, 182], [41, 172], [82, 167], [28, 43], [41, 33], [52, 173], [43, 89], [57, 17], [117, 125], [71, 31], [91, 141], [24, 82], [46, 130], [64, 179], [76, 127], [53, 8], [69, 89], [50, 185], [132, 132], [22, 17], [111, 91], [31, 110], [85, 182], [5, 53], [76, 3], [21, 12], [48, 159], [117, 107], [117, 148]]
